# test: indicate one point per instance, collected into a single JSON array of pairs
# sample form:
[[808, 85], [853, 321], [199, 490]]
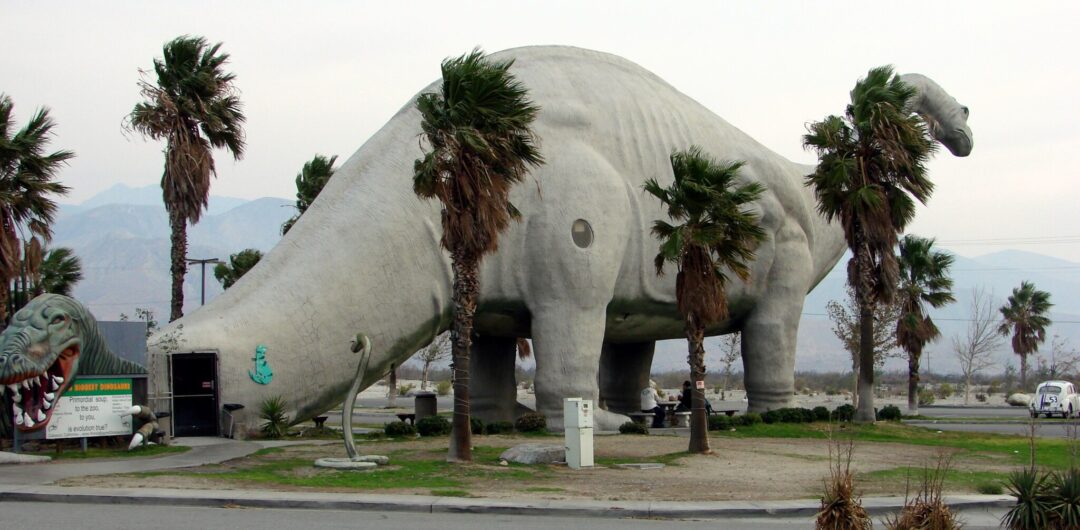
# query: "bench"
[[642, 418], [729, 412], [407, 416], [680, 419]]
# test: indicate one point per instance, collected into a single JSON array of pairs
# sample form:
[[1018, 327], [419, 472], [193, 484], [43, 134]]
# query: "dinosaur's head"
[[945, 116], [39, 356]]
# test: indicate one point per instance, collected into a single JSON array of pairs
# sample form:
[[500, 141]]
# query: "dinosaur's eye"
[[57, 319]]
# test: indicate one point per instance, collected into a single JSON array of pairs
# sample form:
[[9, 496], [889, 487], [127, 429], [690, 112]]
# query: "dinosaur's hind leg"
[[492, 386], [624, 372]]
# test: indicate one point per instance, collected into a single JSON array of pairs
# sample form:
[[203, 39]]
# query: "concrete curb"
[[432, 504]]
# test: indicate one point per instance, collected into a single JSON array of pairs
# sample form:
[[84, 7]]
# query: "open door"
[[195, 394]]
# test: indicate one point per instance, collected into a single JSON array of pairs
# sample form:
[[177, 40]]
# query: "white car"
[[1055, 397]]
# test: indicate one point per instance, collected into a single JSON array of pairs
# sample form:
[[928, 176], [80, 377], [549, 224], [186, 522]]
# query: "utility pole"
[[203, 262]]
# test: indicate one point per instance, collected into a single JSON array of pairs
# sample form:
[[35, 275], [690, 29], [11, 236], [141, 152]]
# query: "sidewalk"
[[29, 482]]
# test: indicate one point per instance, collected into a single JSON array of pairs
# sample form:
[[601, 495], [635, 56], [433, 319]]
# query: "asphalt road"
[[134, 517], [1012, 413]]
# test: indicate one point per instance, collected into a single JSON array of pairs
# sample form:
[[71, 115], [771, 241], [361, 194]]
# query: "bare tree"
[[1064, 358], [845, 325], [975, 349], [391, 393], [730, 349], [438, 350]]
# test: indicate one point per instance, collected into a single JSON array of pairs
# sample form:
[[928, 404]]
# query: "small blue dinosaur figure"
[[262, 374]]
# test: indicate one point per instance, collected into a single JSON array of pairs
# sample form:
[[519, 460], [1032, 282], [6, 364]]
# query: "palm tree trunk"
[[178, 256], [1023, 372], [5, 297], [913, 382], [699, 424], [865, 410], [466, 290]]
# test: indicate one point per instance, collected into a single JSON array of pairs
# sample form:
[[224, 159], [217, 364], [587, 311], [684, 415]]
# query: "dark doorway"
[[195, 401]]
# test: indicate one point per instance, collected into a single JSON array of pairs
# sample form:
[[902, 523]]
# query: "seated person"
[[649, 399], [685, 400]]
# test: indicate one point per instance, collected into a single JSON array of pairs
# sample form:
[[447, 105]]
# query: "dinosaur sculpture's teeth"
[[18, 411], [47, 405], [40, 416], [58, 380], [18, 418], [27, 421], [35, 382], [16, 394], [53, 385], [49, 396], [25, 384]]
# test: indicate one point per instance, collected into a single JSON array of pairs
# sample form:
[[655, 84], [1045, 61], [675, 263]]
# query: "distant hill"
[[124, 247], [122, 237]]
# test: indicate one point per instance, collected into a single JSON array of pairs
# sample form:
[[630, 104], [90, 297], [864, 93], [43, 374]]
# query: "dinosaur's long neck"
[[365, 258], [96, 358]]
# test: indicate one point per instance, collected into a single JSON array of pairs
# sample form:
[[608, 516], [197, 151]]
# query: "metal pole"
[[202, 263]]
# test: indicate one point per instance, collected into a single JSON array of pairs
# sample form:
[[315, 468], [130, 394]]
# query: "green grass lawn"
[[1053, 453]]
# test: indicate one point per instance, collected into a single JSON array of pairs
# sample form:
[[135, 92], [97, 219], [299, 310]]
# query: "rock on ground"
[[1018, 400], [534, 453]]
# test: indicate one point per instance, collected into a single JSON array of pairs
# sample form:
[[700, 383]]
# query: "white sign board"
[[92, 407]]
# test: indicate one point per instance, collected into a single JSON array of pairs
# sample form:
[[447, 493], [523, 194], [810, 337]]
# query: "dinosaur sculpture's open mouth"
[[33, 397]]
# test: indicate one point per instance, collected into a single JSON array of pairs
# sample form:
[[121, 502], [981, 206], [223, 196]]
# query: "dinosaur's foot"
[[602, 421]]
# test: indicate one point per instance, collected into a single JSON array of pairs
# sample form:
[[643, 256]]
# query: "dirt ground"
[[739, 469]]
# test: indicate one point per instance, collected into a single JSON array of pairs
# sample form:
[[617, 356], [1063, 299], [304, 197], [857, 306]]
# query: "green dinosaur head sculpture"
[[50, 341]]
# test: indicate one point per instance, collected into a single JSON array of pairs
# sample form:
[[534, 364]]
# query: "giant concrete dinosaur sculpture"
[[49, 342], [366, 257]]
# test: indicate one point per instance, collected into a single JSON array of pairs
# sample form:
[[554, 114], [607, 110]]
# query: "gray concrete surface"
[[133, 517]]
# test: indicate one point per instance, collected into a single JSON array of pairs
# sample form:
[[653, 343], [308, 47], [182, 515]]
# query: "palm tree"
[[717, 232], [924, 279], [60, 271], [27, 184], [309, 182], [194, 107], [872, 163], [479, 131], [1025, 317], [239, 264]]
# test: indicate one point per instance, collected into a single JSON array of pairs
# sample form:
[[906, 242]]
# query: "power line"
[[951, 319]]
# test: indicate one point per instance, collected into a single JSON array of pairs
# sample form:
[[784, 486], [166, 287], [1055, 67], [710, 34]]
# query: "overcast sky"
[[321, 77]]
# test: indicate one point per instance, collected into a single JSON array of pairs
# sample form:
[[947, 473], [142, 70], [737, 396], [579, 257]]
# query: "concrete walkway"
[[30, 483]]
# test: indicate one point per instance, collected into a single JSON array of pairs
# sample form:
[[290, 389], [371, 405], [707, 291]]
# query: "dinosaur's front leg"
[[769, 333]]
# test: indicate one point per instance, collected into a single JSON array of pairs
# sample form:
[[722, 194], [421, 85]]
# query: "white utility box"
[[578, 422]]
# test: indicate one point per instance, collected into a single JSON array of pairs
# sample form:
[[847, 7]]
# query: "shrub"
[[531, 422], [773, 416], [841, 505], [1032, 511], [499, 427], [719, 422], [989, 488], [476, 426], [821, 413], [927, 509], [805, 415], [275, 421], [443, 388], [750, 418], [403, 389], [926, 397], [398, 429], [433, 426], [889, 413], [844, 412], [980, 397], [632, 427], [944, 390], [1064, 498]]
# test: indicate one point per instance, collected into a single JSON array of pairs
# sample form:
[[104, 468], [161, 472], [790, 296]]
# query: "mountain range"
[[122, 237]]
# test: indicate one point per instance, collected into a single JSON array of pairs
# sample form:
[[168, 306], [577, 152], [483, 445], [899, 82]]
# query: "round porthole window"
[[582, 233]]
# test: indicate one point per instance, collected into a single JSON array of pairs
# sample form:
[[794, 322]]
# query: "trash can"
[[426, 404]]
